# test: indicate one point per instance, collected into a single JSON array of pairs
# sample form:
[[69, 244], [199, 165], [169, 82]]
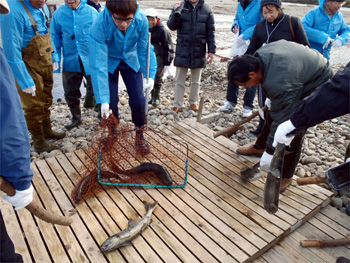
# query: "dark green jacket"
[[290, 72]]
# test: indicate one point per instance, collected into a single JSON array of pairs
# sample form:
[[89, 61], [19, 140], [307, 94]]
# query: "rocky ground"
[[324, 145]]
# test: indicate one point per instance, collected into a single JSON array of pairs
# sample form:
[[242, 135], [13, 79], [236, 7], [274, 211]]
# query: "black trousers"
[[7, 249], [71, 85]]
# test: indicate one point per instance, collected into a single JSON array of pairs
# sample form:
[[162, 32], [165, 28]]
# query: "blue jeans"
[[232, 95], [134, 85]]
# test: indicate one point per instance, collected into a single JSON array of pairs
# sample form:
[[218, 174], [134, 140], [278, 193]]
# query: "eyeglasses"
[[119, 20]]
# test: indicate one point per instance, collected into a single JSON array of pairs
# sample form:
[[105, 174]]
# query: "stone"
[[336, 202]]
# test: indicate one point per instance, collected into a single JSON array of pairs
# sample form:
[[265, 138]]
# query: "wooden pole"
[[34, 207], [311, 180], [325, 243], [201, 104]]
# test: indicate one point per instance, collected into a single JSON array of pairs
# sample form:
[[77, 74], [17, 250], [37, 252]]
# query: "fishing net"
[[115, 158]]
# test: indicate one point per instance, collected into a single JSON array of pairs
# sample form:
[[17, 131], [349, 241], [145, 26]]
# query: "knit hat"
[[4, 7], [271, 2]]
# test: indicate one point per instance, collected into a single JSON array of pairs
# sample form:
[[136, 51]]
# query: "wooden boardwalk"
[[215, 218]]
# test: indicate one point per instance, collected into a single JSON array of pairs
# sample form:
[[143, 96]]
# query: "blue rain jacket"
[[319, 26], [247, 19], [14, 138], [108, 46], [16, 32], [70, 30]]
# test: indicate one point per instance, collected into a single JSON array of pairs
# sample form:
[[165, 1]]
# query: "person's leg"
[[196, 74], [113, 92], [71, 86], [7, 249], [231, 97], [158, 82], [180, 78], [248, 101], [134, 85]]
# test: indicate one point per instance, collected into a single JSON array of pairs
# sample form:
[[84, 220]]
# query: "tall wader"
[[38, 60]]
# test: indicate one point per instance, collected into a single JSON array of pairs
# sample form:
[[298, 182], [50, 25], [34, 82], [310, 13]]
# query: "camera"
[[181, 9]]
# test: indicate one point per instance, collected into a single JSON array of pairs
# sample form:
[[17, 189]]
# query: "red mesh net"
[[131, 157]]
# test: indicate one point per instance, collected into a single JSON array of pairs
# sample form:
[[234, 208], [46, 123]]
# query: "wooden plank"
[[224, 166], [339, 218], [13, 229], [51, 239], [89, 246]]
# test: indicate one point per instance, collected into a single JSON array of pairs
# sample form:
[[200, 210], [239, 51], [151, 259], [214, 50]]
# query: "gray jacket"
[[290, 72], [195, 30]]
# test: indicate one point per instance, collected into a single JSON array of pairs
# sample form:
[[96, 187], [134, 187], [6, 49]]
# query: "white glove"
[[167, 69], [30, 90], [148, 84], [268, 103], [21, 198], [281, 133], [337, 43], [105, 110], [329, 40], [261, 113], [265, 161], [55, 66], [240, 40]]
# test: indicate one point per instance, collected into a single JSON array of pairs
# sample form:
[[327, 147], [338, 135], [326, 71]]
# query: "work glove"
[[265, 161], [30, 90], [337, 43], [167, 69], [55, 66], [105, 110], [21, 198], [281, 133], [148, 84], [268, 103], [261, 113], [329, 40]]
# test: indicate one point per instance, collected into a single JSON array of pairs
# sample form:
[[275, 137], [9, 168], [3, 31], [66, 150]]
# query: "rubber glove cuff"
[[281, 133], [105, 110], [30, 90], [21, 198]]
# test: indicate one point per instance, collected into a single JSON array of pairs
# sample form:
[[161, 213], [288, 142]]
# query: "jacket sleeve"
[[168, 47], [211, 33], [328, 101], [300, 34], [56, 36], [313, 35], [344, 33], [254, 42], [12, 27], [173, 21], [98, 61]]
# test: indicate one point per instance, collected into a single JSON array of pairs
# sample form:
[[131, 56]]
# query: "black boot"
[[76, 118], [49, 133], [89, 101], [140, 142], [150, 101], [40, 144], [155, 97]]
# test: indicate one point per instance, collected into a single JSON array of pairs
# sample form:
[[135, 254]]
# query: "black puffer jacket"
[[280, 30], [162, 43], [195, 30]]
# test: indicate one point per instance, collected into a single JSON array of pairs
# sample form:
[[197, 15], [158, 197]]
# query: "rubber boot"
[[76, 119], [89, 101], [140, 142], [155, 97], [152, 94], [49, 133], [40, 144]]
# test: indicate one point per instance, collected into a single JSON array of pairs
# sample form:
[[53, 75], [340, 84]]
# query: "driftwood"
[[35, 208], [325, 243], [201, 104], [231, 130], [312, 180]]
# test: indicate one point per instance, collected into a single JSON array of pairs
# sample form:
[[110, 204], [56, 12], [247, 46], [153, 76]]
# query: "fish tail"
[[150, 206]]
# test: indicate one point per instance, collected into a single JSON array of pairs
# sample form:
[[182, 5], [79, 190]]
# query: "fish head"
[[111, 243]]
